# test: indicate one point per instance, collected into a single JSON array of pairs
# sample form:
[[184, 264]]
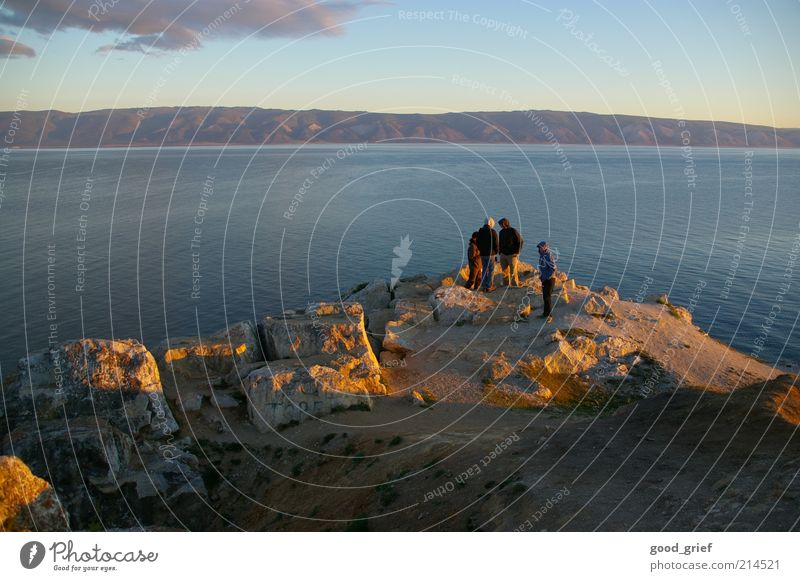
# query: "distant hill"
[[252, 126]]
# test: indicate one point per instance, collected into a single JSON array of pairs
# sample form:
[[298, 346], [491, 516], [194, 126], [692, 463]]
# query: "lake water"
[[126, 232]]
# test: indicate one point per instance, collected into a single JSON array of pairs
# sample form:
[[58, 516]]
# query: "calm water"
[[152, 219]]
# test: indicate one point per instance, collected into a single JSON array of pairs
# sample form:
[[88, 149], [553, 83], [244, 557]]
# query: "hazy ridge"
[[174, 126]]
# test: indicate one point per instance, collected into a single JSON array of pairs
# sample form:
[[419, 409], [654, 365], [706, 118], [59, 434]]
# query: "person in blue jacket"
[[547, 273]]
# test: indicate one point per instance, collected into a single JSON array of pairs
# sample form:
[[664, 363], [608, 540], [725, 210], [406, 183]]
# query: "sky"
[[721, 60]]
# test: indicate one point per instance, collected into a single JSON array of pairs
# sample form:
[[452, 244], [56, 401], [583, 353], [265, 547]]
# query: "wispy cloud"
[[11, 49], [172, 24]]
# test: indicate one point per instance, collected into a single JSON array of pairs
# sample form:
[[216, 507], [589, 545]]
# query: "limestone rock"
[[390, 359], [609, 293], [116, 380], [400, 332], [660, 298], [512, 306], [497, 368], [571, 357], [597, 306], [376, 327], [681, 313], [372, 297], [197, 362], [616, 347], [282, 392], [417, 399], [102, 416], [27, 503], [416, 287], [454, 304], [324, 328]]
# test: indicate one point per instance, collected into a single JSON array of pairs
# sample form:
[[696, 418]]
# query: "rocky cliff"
[[349, 412]]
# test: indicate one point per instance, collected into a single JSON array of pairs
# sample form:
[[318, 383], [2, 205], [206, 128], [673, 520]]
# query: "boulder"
[[660, 298], [376, 327], [454, 304], [400, 332], [117, 380], [609, 293], [28, 503], [328, 328], [417, 399], [497, 368], [197, 363], [681, 313], [571, 357], [414, 288], [372, 297], [285, 392], [597, 306], [615, 347]]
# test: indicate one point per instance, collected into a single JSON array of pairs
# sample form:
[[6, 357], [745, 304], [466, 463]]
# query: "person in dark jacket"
[[510, 246], [547, 272], [488, 244], [474, 258]]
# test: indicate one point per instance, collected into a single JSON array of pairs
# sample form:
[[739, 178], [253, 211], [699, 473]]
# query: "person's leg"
[[489, 268], [485, 262], [471, 278], [547, 291], [513, 276], [505, 267]]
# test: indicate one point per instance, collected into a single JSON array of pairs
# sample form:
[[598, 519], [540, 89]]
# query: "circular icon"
[[31, 554]]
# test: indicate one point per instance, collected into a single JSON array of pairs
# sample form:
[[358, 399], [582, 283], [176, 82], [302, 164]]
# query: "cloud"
[[11, 49], [174, 24]]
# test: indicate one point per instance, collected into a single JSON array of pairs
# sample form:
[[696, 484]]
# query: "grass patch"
[[297, 469], [387, 494]]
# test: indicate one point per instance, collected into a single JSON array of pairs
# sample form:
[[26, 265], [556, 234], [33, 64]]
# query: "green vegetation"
[[387, 494]]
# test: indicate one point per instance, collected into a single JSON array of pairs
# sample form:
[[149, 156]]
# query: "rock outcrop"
[[27, 503], [93, 412], [284, 392], [319, 361], [372, 297], [207, 371]]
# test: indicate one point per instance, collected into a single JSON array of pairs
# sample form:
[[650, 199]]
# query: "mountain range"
[[177, 126]]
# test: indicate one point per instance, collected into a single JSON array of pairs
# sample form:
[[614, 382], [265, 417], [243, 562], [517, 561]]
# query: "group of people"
[[486, 247]]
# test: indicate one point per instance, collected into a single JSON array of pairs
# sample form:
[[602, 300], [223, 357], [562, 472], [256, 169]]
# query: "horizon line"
[[251, 107]]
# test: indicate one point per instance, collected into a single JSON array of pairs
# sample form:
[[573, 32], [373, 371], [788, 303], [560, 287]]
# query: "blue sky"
[[719, 60]]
